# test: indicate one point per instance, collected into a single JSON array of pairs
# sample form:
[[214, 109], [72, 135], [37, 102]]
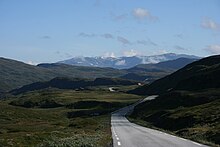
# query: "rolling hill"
[[14, 74], [198, 75], [170, 65], [67, 83], [152, 72], [188, 103]]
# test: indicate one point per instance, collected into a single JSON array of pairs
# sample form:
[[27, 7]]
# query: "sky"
[[36, 31]]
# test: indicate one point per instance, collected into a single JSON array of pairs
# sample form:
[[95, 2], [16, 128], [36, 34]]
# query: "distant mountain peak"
[[123, 62]]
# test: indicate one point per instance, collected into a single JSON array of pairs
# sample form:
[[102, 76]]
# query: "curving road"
[[127, 134]]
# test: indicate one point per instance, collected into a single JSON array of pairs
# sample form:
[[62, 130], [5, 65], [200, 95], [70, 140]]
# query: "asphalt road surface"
[[127, 134], [111, 89]]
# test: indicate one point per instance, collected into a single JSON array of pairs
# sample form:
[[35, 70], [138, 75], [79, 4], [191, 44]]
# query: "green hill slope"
[[195, 76], [14, 74], [152, 72], [72, 83], [188, 103]]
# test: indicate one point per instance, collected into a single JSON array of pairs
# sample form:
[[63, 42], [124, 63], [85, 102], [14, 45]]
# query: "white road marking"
[[119, 143], [174, 136], [165, 133], [183, 139], [117, 138], [196, 143]]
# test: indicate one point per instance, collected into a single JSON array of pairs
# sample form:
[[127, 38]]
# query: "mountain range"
[[15, 74], [124, 62]]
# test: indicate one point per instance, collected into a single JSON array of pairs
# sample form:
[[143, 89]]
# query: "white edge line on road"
[[183, 139], [119, 143], [196, 143], [117, 138]]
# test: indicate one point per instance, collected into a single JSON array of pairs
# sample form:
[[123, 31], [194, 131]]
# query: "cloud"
[[162, 51], [45, 37], [146, 42], [213, 49], [123, 40], [130, 53], [109, 54], [87, 35], [179, 36], [120, 17], [208, 23], [107, 36], [142, 14], [177, 47]]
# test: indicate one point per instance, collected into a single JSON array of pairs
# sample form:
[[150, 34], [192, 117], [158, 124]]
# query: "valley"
[[55, 117], [109, 73], [77, 110]]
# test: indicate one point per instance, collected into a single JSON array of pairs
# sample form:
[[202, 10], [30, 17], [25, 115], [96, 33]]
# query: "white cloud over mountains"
[[109, 54], [208, 23], [130, 53], [213, 49], [141, 14], [125, 53]]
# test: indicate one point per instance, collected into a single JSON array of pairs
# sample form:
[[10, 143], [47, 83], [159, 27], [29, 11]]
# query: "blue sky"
[[52, 30]]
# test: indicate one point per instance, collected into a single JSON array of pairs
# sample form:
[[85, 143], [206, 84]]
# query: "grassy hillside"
[[14, 74], [195, 76], [55, 117], [189, 102], [73, 83], [193, 115], [152, 72], [82, 71]]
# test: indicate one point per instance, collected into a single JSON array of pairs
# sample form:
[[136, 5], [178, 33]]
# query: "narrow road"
[[127, 134], [111, 89]]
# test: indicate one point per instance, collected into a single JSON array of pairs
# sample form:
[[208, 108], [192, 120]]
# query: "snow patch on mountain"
[[121, 62], [124, 62]]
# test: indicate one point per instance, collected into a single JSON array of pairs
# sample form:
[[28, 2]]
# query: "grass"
[[51, 127], [193, 115], [14, 74]]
